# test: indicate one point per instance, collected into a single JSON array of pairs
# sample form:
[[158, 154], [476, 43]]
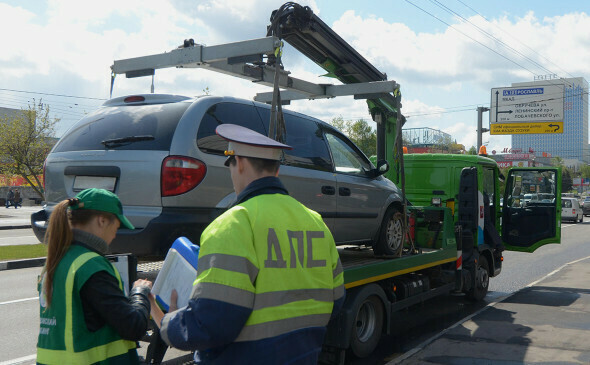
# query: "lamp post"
[[480, 130]]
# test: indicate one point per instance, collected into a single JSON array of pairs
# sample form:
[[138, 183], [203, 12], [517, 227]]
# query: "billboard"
[[527, 110]]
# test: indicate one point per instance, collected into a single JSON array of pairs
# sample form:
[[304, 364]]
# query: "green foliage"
[[360, 132], [25, 141], [17, 252], [585, 171], [472, 151], [557, 161]]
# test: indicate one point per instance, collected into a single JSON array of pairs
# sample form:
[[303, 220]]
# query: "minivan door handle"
[[328, 190], [344, 191]]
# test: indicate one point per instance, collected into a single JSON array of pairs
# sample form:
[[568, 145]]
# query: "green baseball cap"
[[104, 201]]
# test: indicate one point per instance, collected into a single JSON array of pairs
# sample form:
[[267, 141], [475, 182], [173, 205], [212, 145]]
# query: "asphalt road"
[[19, 305]]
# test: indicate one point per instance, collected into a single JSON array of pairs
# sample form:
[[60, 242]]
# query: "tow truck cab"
[[471, 186]]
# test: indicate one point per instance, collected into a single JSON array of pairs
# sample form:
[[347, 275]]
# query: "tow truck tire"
[[482, 280], [368, 325], [391, 236]]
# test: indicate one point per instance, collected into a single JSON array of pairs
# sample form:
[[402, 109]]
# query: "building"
[[428, 140], [572, 144]]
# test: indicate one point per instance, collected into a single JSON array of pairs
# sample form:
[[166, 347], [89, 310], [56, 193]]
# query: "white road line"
[[21, 360], [18, 301], [495, 302]]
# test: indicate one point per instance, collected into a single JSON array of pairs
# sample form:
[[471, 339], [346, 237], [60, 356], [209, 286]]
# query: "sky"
[[446, 55]]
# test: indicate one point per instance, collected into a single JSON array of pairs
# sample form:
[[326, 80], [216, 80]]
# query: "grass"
[[17, 252]]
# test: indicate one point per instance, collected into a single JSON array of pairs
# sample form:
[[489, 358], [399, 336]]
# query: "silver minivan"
[[161, 156]]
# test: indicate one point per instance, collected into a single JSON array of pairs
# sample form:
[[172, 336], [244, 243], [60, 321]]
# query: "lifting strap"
[[277, 129]]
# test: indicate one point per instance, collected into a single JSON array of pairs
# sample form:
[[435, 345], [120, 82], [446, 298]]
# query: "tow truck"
[[442, 249]]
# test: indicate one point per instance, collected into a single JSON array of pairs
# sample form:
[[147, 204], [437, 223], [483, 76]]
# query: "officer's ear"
[[240, 164]]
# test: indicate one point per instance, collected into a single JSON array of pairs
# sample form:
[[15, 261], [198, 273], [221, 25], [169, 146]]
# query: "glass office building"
[[572, 144]]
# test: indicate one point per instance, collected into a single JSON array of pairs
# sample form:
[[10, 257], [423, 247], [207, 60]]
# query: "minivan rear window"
[[112, 123]]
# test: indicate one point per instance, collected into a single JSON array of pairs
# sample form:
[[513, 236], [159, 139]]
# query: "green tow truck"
[[446, 248], [442, 245]]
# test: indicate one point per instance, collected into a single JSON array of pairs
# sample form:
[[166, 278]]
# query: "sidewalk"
[[547, 322], [11, 218]]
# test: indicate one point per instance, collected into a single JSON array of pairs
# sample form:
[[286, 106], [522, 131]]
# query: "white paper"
[[176, 273]]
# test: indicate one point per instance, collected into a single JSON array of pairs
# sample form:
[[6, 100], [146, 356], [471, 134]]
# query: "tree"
[[359, 132], [25, 141], [567, 182], [472, 151]]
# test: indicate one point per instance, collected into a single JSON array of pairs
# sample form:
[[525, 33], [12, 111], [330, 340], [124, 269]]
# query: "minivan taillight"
[[181, 174]]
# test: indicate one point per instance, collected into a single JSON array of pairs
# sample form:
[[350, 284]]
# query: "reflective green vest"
[[275, 256], [63, 335]]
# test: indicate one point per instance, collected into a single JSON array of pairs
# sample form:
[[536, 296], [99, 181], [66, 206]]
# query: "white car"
[[571, 210]]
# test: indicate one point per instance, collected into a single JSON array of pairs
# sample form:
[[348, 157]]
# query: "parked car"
[[586, 206], [160, 154], [529, 197], [571, 210]]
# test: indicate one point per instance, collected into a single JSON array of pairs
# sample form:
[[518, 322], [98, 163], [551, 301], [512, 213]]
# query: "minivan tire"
[[391, 235]]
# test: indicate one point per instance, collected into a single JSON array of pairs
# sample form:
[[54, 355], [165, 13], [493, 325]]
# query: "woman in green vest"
[[86, 318]]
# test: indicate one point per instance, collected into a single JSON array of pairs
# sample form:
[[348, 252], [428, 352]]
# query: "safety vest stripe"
[[279, 327], [76, 264], [92, 355], [338, 292], [224, 293], [289, 310], [228, 262], [338, 270], [273, 299], [224, 277]]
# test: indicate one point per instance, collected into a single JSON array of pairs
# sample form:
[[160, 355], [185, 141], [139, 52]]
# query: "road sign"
[[527, 110], [526, 128]]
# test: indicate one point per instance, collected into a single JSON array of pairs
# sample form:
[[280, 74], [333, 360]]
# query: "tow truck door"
[[528, 226]]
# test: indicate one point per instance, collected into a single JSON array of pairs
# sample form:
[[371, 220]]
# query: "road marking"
[[495, 302], [18, 301], [20, 360]]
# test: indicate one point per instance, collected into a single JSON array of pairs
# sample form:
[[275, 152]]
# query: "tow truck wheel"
[[368, 324], [482, 280], [390, 240]]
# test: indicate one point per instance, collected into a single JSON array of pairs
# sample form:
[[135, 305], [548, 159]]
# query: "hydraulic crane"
[[257, 60]]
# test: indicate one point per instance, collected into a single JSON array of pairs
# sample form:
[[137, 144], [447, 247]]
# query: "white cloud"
[[68, 50]]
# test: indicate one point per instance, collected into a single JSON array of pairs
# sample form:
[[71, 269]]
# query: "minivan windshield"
[[148, 127]]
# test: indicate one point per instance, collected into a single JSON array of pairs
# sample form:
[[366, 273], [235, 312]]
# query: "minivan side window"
[[347, 159], [310, 150], [225, 113]]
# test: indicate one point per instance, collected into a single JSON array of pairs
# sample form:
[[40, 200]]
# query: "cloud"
[[66, 47]]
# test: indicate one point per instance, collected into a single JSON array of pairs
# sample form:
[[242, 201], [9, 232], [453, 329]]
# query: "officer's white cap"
[[248, 143]]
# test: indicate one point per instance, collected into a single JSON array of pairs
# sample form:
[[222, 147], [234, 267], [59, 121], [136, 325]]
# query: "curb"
[[22, 264], [15, 227]]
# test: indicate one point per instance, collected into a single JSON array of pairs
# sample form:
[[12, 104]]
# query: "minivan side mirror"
[[382, 167]]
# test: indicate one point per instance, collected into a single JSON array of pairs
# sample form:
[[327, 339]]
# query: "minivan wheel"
[[391, 236]]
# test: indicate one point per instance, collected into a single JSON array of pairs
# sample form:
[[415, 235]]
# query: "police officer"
[[269, 275]]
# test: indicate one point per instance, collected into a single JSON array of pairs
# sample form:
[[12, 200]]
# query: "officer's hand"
[[143, 282], [173, 301]]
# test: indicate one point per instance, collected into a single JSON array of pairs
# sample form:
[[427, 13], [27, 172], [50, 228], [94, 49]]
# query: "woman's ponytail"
[[58, 239]]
